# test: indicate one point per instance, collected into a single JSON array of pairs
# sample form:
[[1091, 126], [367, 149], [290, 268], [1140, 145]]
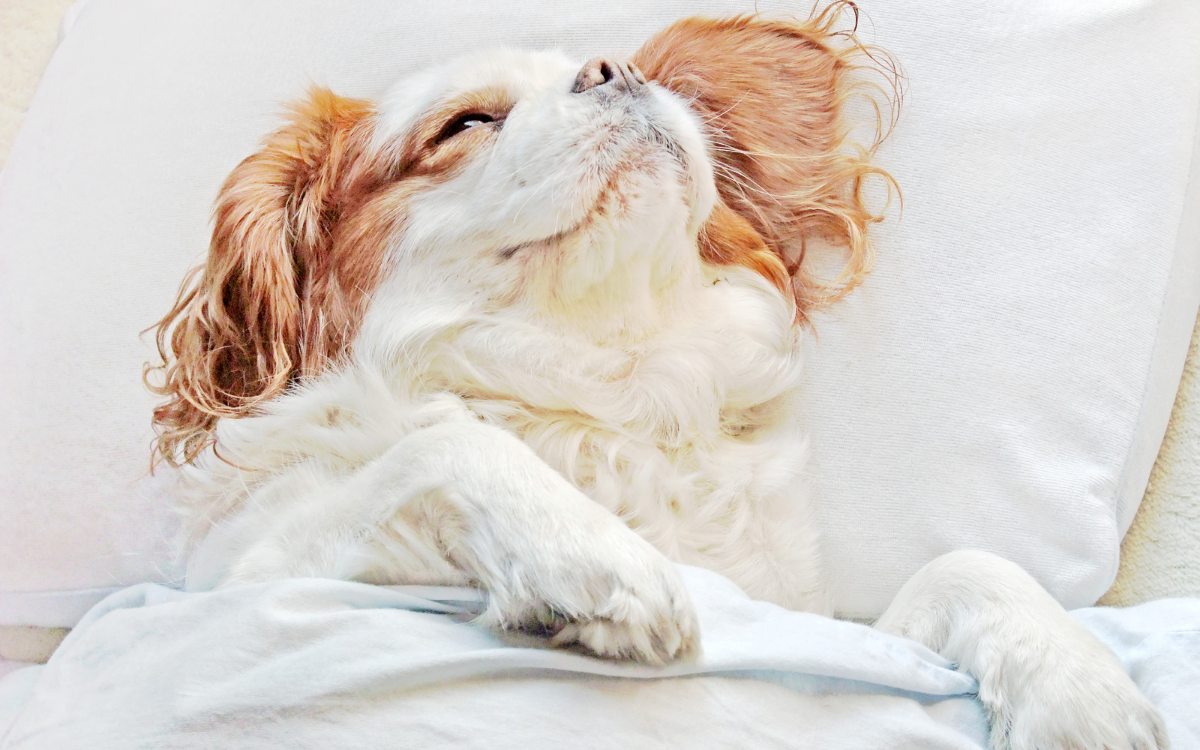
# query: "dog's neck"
[[617, 291], [662, 356]]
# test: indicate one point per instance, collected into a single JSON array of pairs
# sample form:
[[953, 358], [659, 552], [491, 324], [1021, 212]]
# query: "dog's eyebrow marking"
[[494, 101], [417, 150]]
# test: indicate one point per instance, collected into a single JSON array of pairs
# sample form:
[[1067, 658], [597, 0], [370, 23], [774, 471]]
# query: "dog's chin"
[[648, 187]]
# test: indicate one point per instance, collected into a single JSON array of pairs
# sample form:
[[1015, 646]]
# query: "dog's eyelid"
[[467, 121], [488, 107]]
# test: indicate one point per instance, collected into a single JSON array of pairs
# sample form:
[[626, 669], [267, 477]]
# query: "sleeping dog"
[[532, 325]]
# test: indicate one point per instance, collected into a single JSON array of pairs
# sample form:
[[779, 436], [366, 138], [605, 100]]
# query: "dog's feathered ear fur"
[[726, 239], [771, 95], [269, 303]]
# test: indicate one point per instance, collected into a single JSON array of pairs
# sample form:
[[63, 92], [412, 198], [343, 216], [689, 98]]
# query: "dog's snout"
[[604, 71]]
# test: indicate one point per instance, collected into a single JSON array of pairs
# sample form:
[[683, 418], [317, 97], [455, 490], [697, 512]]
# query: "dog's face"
[[574, 191], [537, 151], [584, 197]]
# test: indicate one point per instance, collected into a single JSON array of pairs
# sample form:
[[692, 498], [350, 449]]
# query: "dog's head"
[[579, 194]]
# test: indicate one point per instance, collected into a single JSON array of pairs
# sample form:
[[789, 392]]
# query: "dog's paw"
[[1077, 697], [637, 622], [620, 599]]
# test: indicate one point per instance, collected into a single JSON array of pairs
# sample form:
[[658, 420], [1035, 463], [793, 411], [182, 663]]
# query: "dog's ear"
[[728, 239], [261, 311], [771, 95]]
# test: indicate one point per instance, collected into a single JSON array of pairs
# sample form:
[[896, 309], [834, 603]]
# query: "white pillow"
[[1001, 381]]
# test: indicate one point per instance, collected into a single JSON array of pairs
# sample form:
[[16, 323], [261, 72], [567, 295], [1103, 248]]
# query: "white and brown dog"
[[532, 326]]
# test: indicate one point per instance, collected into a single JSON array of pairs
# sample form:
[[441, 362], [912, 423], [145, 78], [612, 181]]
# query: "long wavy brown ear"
[[771, 94], [268, 304]]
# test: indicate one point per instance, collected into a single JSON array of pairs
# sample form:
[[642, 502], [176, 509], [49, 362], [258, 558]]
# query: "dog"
[[532, 325]]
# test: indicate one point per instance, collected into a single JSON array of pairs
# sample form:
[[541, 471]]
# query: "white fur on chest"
[[687, 437]]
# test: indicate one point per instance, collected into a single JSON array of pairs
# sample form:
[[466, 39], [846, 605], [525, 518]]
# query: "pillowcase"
[[1001, 381]]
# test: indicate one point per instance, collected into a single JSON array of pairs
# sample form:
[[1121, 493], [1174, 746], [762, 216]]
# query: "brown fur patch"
[[771, 94], [729, 239], [299, 237], [277, 295]]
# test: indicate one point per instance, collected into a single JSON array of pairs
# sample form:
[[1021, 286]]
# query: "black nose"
[[604, 71]]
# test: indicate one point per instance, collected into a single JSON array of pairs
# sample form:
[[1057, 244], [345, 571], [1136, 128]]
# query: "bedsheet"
[[313, 663]]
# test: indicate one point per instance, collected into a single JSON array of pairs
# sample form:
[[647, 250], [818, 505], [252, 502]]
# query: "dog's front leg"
[[475, 500], [1044, 680]]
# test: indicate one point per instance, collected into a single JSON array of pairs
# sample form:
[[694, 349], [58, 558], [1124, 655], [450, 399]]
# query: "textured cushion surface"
[[1001, 381]]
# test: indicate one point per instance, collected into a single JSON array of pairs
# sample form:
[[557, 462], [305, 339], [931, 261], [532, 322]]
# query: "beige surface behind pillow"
[[28, 31], [1160, 554]]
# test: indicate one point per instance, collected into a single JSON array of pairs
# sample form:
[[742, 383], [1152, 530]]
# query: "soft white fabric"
[[8, 666], [315, 663], [50, 609], [988, 386], [17, 680], [1159, 646], [1001, 381]]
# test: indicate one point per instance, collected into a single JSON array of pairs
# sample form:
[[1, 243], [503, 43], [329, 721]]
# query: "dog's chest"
[[692, 496], [736, 504]]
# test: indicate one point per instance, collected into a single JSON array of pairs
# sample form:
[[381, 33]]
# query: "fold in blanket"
[[318, 663]]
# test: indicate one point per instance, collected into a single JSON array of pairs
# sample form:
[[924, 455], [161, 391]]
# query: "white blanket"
[[328, 664]]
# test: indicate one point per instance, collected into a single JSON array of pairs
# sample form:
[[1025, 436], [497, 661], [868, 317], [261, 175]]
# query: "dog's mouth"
[[598, 208], [656, 140], [553, 239]]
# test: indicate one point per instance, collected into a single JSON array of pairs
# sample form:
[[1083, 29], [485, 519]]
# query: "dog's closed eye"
[[465, 122]]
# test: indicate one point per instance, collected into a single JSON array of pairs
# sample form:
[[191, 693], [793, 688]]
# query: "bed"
[[1030, 383]]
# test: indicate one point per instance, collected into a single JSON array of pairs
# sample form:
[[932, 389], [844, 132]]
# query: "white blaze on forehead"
[[519, 73]]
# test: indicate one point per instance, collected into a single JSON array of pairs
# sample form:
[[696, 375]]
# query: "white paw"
[[616, 596], [1045, 681], [1078, 697]]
